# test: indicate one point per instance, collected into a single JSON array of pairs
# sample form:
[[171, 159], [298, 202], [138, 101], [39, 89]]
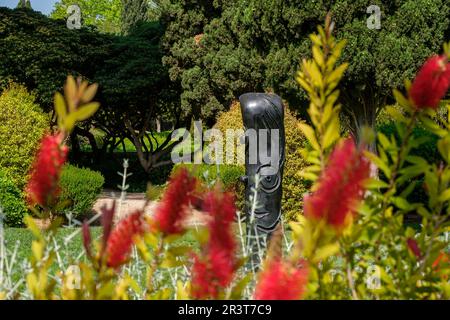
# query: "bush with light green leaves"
[[22, 126]]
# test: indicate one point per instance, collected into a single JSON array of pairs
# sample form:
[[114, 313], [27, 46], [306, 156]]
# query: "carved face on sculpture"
[[263, 117]]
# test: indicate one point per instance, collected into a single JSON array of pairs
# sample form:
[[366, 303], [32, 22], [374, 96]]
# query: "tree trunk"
[[158, 125]]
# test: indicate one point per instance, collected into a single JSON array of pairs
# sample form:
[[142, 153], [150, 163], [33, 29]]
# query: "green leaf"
[[304, 84], [417, 160], [331, 134], [309, 133], [375, 184], [409, 189], [395, 113], [32, 226], [433, 126], [90, 92], [326, 251], [238, 289], [337, 74], [444, 196], [318, 56], [315, 39], [400, 98], [308, 176], [315, 74], [401, 203], [444, 149], [384, 141], [70, 88], [60, 106], [182, 292], [86, 111]]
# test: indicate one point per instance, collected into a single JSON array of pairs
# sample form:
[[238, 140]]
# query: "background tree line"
[[172, 61]]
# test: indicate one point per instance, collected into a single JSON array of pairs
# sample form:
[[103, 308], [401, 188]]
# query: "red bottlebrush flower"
[[87, 239], [107, 219], [340, 186], [121, 239], [414, 247], [43, 186], [431, 83], [221, 209], [281, 281], [212, 273], [216, 269], [172, 209]]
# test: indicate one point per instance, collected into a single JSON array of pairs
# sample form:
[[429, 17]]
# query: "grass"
[[70, 250], [18, 243]]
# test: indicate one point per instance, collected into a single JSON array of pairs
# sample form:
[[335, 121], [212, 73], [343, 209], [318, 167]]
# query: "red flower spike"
[[107, 218], [43, 186], [222, 210], [215, 270], [414, 247], [340, 186], [87, 239], [121, 239], [431, 83], [172, 209], [281, 281]]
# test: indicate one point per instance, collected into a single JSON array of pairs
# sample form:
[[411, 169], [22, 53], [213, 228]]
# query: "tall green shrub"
[[22, 127], [79, 188], [11, 201]]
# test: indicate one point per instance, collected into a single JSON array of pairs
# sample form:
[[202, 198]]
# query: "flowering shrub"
[[351, 242], [378, 255]]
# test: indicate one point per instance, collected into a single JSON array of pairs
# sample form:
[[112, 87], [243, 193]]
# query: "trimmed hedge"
[[22, 126], [11, 201], [80, 187]]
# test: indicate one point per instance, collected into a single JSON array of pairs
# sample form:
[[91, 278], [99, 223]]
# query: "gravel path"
[[132, 203], [136, 201]]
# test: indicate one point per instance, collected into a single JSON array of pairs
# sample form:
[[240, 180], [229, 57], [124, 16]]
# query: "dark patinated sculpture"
[[263, 111]]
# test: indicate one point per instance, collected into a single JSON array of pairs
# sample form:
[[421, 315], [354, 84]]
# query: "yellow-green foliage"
[[22, 127], [293, 185]]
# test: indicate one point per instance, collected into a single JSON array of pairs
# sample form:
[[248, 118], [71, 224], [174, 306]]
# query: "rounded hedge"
[[293, 186], [12, 201], [80, 188], [22, 126]]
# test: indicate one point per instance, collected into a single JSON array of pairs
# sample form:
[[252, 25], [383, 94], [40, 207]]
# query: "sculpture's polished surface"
[[264, 111]]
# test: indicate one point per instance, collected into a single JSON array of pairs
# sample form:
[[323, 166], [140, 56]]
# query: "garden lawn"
[[70, 251]]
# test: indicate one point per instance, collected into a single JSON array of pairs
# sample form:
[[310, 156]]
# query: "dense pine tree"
[[219, 49], [24, 4], [133, 11]]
